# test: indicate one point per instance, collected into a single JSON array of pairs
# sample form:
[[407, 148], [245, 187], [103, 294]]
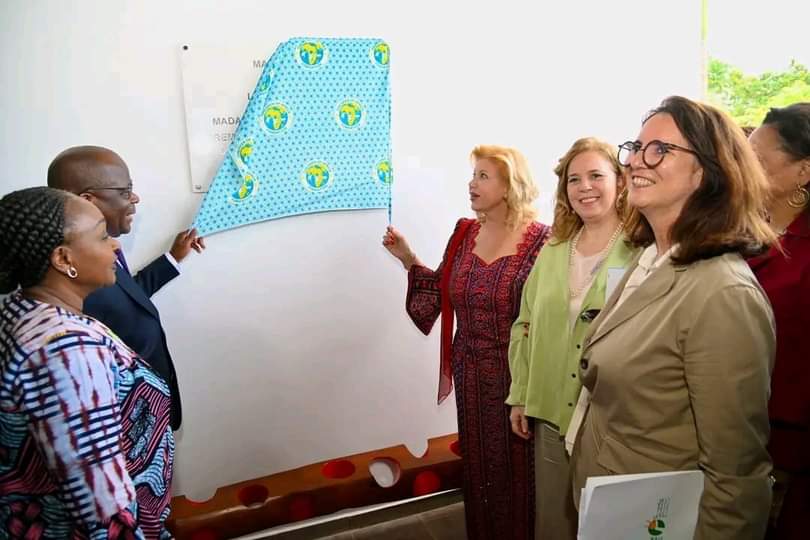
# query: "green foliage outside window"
[[747, 98]]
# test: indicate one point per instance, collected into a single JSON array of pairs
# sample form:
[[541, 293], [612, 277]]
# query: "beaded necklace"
[[602, 256]]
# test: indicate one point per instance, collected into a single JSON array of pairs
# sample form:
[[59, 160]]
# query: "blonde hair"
[[521, 190], [566, 221]]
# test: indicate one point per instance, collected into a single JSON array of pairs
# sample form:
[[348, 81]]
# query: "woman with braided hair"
[[86, 450]]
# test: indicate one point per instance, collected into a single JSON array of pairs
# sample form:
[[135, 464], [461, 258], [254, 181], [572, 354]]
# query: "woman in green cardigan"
[[573, 276]]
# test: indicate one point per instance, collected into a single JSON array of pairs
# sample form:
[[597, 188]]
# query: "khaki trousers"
[[555, 518]]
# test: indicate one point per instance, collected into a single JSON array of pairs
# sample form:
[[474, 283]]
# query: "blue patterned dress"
[[86, 450]]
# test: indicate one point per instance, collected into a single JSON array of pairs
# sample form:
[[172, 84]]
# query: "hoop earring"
[[799, 197], [72, 272]]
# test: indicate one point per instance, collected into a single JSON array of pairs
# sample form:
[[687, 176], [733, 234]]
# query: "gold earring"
[[72, 272], [799, 197]]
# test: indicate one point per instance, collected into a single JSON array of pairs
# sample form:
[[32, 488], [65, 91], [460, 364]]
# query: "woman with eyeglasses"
[[86, 450], [565, 290], [678, 362], [480, 280], [782, 143]]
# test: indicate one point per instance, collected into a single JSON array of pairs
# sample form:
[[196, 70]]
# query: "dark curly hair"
[[793, 125], [32, 225]]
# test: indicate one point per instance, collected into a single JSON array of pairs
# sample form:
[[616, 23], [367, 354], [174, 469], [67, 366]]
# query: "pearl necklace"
[[602, 255]]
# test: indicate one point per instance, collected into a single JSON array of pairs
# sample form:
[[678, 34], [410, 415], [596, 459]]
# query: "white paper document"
[[654, 506]]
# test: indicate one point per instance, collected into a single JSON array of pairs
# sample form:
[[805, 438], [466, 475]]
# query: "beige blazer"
[[680, 379]]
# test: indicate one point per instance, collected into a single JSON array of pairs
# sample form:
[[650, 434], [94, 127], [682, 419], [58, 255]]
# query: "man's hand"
[[184, 242]]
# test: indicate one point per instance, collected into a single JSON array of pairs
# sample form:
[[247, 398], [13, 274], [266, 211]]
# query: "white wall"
[[290, 336]]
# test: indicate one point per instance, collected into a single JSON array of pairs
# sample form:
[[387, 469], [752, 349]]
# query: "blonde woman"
[[563, 294], [480, 281]]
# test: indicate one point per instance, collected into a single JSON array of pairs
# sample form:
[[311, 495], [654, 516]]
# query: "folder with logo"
[[659, 506]]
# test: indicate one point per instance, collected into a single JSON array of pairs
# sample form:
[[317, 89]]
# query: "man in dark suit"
[[101, 176]]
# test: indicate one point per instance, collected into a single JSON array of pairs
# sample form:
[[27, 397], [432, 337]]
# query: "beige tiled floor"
[[436, 517], [444, 523]]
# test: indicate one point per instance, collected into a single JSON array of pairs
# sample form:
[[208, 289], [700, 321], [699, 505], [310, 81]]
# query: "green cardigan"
[[545, 364]]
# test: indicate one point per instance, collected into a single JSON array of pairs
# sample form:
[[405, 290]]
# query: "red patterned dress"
[[498, 466]]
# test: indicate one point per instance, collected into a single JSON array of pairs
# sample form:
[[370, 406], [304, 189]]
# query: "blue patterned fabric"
[[315, 137]]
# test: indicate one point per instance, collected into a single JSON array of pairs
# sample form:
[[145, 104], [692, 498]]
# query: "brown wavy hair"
[[726, 213], [521, 191], [566, 221]]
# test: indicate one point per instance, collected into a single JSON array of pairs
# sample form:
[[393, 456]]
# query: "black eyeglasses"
[[652, 154], [125, 192]]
